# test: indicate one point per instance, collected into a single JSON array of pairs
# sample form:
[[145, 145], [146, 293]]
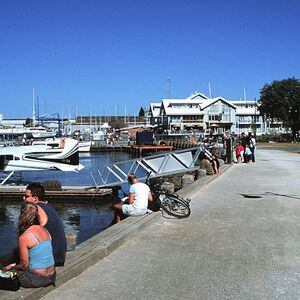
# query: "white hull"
[[36, 132], [85, 146], [60, 154]]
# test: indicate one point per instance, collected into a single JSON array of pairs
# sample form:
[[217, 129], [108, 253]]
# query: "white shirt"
[[141, 192]]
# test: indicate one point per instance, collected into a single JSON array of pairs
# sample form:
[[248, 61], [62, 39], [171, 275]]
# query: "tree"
[[142, 112], [117, 123], [281, 100]]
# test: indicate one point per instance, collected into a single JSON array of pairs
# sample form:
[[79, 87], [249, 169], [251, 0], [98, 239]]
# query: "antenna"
[[168, 87], [245, 97], [209, 90], [125, 116], [38, 107], [33, 106]]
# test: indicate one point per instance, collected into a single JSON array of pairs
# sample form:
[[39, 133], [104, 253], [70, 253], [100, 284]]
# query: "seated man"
[[50, 219], [139, 194], [206, 165]]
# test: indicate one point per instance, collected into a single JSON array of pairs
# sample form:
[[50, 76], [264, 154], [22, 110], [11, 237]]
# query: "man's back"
[[141, 191], [205, 164], [56, 229]]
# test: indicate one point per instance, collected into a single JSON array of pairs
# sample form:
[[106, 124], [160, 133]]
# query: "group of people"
[[245, 149], [42, 242]]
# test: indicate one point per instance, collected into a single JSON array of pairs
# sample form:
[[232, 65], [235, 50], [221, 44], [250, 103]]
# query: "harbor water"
[[84, 219]]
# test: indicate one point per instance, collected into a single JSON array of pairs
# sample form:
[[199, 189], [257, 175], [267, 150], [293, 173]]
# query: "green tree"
[[281, 100], [117, 123], [142, 112]]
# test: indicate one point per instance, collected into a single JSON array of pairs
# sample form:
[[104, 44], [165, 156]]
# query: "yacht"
[[58, 154], [38, 132]]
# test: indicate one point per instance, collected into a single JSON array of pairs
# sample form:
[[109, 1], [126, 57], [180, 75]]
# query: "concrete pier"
[[242, 241]]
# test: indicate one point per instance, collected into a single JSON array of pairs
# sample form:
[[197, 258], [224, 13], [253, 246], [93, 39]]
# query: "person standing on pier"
[[50, 219], [137, 202]]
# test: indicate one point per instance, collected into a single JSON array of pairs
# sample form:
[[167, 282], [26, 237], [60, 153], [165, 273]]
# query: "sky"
[[111, 57]]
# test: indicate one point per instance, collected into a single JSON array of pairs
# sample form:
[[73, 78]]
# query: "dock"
[[142, 149], [67, 195]]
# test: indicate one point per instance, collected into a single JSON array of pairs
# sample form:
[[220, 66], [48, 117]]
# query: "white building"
[[199, 113]]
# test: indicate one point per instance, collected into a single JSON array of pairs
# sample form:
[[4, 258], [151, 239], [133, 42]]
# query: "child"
[[239, 152], [248, 154]]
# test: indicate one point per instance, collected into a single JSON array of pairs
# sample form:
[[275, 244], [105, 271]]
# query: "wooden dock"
[[69, 195]]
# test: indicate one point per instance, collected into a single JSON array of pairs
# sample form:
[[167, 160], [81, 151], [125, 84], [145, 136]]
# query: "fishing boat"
[[58, 154]]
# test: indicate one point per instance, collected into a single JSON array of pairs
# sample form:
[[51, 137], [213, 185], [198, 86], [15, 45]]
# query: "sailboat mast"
[[33, 106]]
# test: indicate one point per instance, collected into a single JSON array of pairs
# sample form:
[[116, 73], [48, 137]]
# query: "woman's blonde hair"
[[28, 216]]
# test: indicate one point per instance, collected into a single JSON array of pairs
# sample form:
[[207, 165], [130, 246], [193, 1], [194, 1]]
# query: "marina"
[[88, 211], [89, 214]]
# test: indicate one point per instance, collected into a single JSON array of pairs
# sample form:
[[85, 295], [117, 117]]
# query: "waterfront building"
[[199, 113], [196, 113]]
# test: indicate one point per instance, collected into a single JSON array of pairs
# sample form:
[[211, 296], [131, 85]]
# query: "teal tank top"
[[40, 255]]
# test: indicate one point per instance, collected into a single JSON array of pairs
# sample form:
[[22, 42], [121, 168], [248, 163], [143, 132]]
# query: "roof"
[[214, 100], [181, 106], [155, 109], [193, 105]]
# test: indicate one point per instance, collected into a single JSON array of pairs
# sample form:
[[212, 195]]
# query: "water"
[[85, 220], [87, 176]]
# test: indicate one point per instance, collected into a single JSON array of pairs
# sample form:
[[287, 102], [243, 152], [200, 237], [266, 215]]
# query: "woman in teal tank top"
[[36, 265]]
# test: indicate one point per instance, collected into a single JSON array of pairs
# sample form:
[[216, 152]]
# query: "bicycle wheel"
[[175, 206]]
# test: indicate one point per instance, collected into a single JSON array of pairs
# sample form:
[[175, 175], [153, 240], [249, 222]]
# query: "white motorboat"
[[38, 132], [58, 154], [84, 146]]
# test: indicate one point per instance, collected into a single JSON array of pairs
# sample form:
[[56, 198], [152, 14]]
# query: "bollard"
[[71, 238], [186, 179], [168, 187], [52, 185], [201, 173]]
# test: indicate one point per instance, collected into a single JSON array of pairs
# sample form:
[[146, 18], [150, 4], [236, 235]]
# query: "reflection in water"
[[85, 220]]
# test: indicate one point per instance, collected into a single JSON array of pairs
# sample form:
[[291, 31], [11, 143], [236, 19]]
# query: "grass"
[[291, 147]]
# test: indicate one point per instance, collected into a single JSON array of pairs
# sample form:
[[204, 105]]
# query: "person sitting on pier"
[[137, 202], [215, 164], [205, 164], [36, 266], [50, 219]]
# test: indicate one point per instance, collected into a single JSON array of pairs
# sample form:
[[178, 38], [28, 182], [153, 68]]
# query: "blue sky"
[[101, 56]]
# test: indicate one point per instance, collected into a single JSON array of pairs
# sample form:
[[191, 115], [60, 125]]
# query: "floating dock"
[[77, 194]]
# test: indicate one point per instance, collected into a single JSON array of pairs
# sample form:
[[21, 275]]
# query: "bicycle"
[[173, 204]]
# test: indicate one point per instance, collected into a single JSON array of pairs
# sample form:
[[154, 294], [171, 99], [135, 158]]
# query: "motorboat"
[[57, 154], [38, 132], [84, 146]]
